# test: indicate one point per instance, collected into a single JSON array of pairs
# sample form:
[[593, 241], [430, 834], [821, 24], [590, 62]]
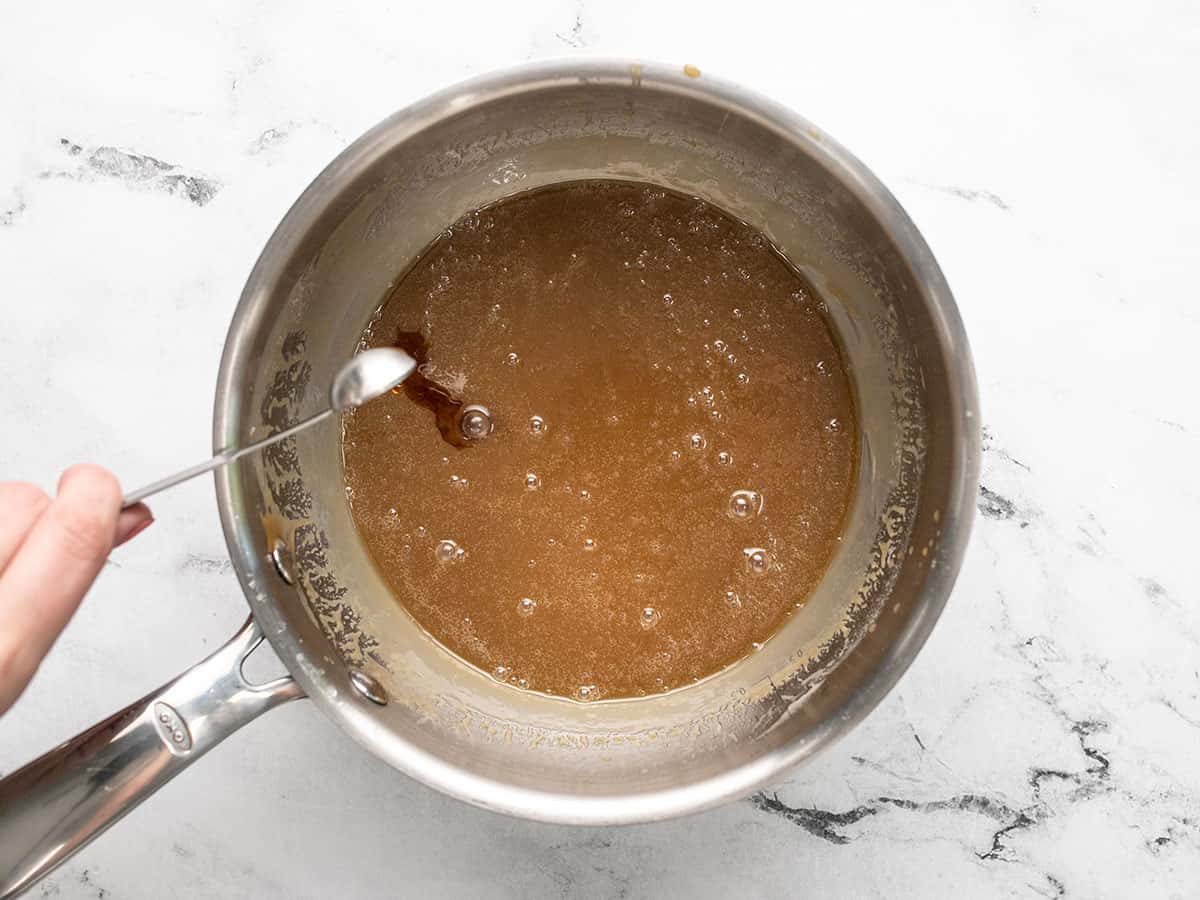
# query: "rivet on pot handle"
[[56, 804]]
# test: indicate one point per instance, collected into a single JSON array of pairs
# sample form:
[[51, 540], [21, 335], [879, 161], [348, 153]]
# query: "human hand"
[[50, 553]]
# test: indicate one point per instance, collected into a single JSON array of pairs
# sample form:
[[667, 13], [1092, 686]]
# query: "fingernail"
[[135, 531]]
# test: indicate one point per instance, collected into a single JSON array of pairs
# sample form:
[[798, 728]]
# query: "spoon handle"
[[220, 459]]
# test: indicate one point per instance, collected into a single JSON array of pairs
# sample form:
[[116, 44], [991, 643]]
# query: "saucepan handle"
[[56, 804]]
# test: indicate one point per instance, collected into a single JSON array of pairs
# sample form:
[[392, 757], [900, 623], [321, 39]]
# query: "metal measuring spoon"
[[365, 377]]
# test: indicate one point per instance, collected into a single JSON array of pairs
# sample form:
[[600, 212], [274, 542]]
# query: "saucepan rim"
[[961, 473]]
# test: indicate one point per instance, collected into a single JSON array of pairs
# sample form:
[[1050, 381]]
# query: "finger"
[[52, 570], [132, 522], [20, 506]]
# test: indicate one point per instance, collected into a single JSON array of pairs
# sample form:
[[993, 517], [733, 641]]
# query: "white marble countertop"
[[1047, 740]]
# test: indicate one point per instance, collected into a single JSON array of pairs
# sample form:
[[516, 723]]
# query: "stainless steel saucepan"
[[346, 642]]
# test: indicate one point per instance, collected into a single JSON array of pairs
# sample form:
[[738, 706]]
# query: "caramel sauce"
[[674, 450]]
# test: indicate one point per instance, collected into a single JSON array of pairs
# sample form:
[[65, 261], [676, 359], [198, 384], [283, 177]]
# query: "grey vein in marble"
[[206, 565], [994, 506], [139, 170], [9, 215], [971, 195]]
